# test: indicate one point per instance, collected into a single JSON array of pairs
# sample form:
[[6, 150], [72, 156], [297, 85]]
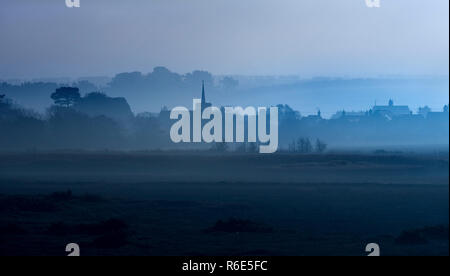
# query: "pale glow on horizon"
[[252, 37]]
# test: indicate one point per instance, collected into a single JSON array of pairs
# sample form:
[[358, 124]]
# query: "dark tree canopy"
[[98, 104], [3, 99], [66, 96], [229, 83]]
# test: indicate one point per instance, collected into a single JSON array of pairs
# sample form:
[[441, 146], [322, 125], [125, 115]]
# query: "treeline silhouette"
[[92, 122], [144, 91], [163, 87], [97, 121]]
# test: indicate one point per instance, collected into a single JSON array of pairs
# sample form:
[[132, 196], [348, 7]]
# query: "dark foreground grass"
[[216, 205]]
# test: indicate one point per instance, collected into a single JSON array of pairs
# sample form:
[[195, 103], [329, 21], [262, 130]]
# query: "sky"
[[250, 37]]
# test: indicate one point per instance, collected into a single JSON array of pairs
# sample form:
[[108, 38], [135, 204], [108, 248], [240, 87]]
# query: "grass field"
[[232, 204]]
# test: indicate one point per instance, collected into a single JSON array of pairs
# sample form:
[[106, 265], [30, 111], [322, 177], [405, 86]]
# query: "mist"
[[251, 37]]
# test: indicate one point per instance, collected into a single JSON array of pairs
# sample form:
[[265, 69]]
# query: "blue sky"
[[253, 37]]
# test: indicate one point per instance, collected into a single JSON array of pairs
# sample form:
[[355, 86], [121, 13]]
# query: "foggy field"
[[224, 128], [204, 167], [232, 204]]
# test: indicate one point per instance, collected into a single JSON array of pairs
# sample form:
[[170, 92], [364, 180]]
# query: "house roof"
[[393, 109]]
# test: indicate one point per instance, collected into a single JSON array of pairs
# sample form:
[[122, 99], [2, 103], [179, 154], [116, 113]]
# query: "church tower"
[[204, 103]]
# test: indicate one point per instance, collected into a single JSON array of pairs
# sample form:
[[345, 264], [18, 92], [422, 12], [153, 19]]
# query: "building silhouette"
[[205, 104], [391, 111]]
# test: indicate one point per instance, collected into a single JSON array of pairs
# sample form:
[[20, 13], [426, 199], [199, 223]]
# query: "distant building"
[[436, 116], [391, 111], [352, 114], [313, 118], [424, 111]]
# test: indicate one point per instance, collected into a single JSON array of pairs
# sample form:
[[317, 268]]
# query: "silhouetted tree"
[[99, 104], [17, 125], [292, 147], [2, 100], [163, 79], [31, 94], [304, 145], [287, 114], [66, 96], [229, 83], [147, 132], [321, 147], [69, 128], [195, 78]]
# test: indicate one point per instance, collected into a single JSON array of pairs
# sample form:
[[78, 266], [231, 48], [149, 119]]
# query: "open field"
[[210, 204]]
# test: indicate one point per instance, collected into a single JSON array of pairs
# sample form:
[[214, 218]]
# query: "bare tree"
[[304, 145], [299, 144], [292, 147], [321, 147], [308, 146]]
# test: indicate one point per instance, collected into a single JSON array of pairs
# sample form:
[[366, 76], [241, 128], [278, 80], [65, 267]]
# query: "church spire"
[[204, 103], [203, 93]]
